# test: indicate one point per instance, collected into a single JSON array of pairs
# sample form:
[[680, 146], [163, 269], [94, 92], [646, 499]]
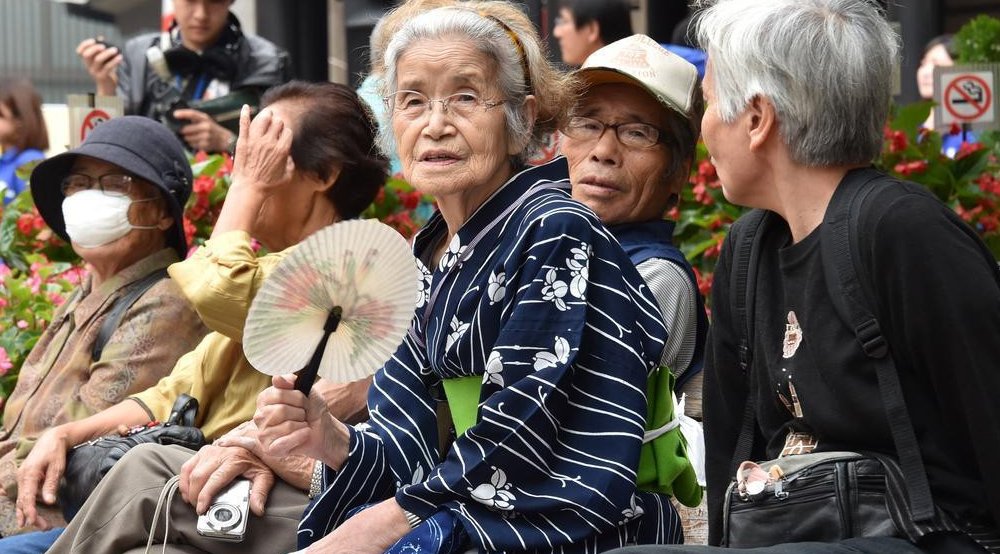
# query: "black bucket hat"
[[138, 145]]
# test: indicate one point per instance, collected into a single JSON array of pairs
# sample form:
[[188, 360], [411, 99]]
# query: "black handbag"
[[825, 497], [87, 463]]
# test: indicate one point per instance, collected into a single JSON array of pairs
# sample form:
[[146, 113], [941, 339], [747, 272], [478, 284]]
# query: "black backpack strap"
[[121, 304], [746, 235], [839, 240]]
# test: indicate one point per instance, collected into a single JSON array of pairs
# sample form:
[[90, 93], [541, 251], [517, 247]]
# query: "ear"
[[530, 108], [592, 32], [166, 222], [323, 186], [762, 121]]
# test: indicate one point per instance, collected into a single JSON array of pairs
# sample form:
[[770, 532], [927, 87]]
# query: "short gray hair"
[[479, 23], [826, 65]]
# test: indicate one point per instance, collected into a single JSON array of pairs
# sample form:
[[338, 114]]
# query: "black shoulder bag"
[[830, 496], [87, 463]]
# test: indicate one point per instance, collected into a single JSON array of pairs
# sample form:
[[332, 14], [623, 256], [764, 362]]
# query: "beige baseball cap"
[[640, 60]]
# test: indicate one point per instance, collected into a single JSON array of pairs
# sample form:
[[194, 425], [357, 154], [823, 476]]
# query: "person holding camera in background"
[[204, 56]]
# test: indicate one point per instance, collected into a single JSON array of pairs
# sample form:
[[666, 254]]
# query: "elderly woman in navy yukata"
[[530, 300]]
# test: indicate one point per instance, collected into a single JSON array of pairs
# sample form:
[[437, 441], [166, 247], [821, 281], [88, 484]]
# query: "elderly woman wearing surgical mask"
[[531, 307], [304, 162], [118, 199]]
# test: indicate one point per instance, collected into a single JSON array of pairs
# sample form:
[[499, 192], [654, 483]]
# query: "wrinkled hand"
[[290, 423], [263, 159], [201, 132], [40, 473], [370, 531], [214, 467], [102, 63]]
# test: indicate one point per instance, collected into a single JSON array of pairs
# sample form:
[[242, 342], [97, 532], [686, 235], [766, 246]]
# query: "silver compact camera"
[[226, 518]]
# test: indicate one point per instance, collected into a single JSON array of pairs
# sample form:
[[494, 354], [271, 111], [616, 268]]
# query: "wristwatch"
[[316, 481]]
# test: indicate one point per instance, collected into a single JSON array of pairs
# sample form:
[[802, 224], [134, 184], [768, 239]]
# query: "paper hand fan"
[[338, 304]]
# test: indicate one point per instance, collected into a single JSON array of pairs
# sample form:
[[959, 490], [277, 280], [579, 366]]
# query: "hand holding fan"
[[337, 305]]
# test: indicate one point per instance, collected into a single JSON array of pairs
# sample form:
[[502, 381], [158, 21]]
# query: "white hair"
[[490, 39], [826, 65]]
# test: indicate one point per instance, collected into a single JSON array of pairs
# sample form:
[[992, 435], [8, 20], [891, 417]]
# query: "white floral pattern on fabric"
[[494, 369], [559, 355], [554, 290], [454, 253], [633, 511], [579, 268], [495, 494], [457, 330], [496, 288], [424, 286]]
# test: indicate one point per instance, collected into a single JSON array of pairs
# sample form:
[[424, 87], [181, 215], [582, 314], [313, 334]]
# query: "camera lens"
[[224, 517]]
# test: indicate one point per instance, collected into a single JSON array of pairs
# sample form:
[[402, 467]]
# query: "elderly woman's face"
[[620, 183], [148, 212], [280, 217], [460, 149]]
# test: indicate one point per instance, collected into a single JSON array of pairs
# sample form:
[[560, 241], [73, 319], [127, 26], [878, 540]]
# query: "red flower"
[[967, 148], [189, 229], [898, 141], [25, 223], [203, 184], [410, 199]]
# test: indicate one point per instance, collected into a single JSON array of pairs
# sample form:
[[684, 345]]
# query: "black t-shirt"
[[938, 304]]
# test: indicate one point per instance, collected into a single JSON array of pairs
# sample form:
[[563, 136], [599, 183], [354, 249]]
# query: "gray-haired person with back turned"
[[873, 311]]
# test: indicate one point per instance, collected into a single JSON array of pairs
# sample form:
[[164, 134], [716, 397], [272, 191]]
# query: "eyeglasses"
[[112, 184], [413, 105], [633, 135]]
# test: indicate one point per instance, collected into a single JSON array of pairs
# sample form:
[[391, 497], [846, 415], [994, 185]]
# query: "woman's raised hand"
[[263, 152], [263, 165], [290, 423]]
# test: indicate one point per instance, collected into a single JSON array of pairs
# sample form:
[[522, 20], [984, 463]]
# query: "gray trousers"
[[118, 514]]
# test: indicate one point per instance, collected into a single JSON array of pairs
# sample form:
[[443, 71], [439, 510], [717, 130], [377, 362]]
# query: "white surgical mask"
[[94, 218]]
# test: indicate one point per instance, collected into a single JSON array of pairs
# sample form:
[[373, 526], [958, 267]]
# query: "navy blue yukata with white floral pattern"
[[538, 298]]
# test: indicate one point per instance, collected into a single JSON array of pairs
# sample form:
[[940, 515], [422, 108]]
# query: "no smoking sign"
[[967, 97]]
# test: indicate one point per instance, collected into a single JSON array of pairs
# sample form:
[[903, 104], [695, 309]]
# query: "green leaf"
[[209, 167], [911, 117]]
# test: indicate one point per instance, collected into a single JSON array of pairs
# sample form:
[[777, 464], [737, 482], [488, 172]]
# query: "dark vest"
[[654, 239]]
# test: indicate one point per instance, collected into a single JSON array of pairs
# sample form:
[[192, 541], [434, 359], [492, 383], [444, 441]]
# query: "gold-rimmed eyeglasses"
[[413, 105], [112, 184], [633, 135]]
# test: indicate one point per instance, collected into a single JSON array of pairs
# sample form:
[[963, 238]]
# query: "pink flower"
[[22, 324], [5, 363], [35, 283]]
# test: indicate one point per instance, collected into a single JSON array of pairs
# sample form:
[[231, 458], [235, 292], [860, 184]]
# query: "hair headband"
[[518, 45]]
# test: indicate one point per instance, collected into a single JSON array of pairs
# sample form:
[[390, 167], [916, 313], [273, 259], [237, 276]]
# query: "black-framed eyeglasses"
[[633, 135], [413, 105], [112, 184]]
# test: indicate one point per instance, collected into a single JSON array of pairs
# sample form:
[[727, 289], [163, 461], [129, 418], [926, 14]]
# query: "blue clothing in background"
[[951, 142], [10, 184], [37, 542], [693, 55], [368, 91]]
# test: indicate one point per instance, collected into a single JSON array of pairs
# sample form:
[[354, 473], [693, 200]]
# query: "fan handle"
[[307, 376]]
